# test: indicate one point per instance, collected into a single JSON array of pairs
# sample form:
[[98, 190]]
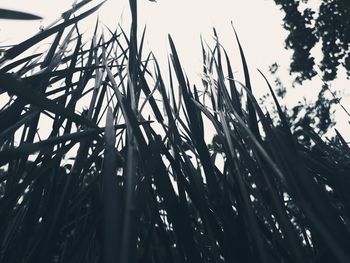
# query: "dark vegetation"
[[17, 15], [329, 25], [111, 184], [314, 25]]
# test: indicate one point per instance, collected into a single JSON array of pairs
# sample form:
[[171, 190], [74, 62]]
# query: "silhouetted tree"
[[329, 26]]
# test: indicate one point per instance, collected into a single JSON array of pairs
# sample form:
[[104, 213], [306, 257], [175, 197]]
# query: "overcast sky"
[[258, 23]]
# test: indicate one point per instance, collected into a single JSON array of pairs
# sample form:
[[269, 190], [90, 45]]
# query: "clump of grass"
[[135, 189]]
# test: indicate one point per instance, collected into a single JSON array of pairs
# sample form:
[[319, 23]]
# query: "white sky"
[[258, 23], [259, 26]]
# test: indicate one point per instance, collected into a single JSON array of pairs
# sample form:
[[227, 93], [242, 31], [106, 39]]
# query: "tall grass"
[[110, 184]]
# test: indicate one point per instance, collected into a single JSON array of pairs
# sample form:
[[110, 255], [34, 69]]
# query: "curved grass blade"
[[18, 62], [26, 148], [14, 86], [20, 48], [17, 15], [253, 123], [197, 133], [111, 198]]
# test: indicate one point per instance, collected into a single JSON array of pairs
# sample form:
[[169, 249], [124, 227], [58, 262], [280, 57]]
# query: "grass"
[[134, 189]]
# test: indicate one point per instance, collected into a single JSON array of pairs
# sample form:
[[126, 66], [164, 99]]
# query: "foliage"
[[134, 189], [318, 115], [330, 26]]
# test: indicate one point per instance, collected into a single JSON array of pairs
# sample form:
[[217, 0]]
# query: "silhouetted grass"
[[134, 189]]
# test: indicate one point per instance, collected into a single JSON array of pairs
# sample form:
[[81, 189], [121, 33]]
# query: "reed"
[[134, 189]]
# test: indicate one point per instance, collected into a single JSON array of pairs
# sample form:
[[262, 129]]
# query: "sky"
[[258, 23], [259, 26]]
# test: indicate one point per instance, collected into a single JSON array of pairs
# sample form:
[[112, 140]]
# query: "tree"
[[329, 26]]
